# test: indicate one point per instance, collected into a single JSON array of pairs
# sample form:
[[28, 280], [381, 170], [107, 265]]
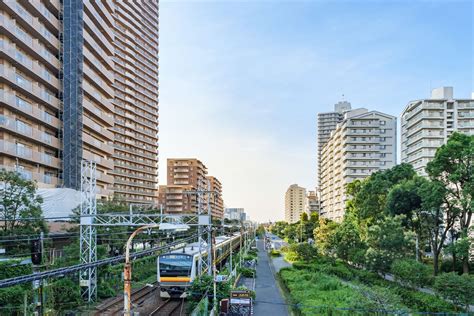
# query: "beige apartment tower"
[[295, 203], [79, 80], [428, 123], [363, 143], [327, 123]]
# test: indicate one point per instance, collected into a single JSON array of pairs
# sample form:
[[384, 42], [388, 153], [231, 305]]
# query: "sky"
[[241, 82]]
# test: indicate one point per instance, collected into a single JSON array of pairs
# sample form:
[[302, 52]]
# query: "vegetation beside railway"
[[327, 285]]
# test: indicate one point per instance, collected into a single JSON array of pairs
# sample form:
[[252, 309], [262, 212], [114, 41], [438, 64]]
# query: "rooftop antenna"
[[343, 98]]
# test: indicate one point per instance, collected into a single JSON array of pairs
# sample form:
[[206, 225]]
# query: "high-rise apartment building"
[[79, 80], [327, 123], [364, 142], [428, 123], [295, 203]]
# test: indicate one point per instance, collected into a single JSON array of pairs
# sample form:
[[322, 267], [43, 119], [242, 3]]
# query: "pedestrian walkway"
[[269, 298]]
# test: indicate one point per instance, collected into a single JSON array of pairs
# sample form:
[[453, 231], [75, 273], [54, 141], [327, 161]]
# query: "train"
[[178, 268]]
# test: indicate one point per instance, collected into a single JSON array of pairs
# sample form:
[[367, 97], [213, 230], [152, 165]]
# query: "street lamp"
[[127, 270]]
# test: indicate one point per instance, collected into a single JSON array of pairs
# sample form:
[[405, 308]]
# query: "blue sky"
[[241, 82]]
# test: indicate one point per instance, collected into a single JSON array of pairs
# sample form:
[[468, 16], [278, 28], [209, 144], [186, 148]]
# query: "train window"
[[175, 265]]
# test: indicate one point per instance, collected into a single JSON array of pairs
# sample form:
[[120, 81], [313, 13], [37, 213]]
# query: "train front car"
[[175, 271]]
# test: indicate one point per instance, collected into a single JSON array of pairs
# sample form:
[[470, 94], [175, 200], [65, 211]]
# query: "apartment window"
[[47, 138], [382, 139], [382, 122], [22, 81], [48, 118], [22, 104], [382, 146], [382, 131], [22, 150], [382, 155], [23, 127]]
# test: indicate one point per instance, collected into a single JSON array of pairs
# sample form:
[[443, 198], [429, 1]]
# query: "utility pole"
[[214, 268]]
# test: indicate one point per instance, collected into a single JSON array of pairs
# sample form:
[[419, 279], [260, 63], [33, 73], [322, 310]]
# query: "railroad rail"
[[115, 306], [171, 307]]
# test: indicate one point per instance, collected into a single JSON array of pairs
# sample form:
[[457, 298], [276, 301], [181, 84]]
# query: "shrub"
[[275, 253], [338, 270], [301, 252], [423, 302], [411, 273], [248, 273], [457, 288]]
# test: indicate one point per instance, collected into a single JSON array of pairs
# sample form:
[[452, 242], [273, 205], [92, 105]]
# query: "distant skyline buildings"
[[426, 124], [295, 203], [363, 143], [235, 214]]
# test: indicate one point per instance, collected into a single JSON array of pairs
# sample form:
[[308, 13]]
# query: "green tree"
[[386, 241], [453, 168], [324, 236], [406, 199], [348, 243], [411, 273], [19, 202], [369, 196]]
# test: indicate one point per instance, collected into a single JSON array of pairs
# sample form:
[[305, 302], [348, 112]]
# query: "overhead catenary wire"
[[79, 267]]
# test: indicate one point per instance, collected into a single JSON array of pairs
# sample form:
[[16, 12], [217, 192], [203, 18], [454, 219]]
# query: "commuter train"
[[178, 268]]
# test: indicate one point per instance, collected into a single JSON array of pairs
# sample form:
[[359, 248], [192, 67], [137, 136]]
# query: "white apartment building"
[[327, 123], [428, 123], [295, 203], [363, 143]]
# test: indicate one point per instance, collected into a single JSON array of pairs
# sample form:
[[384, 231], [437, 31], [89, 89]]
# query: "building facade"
[[295, 203], [327, 123], [60, 97], [185, 175], [217, 202], [313, 205], [427, 124], [363, 143], [235, 214]]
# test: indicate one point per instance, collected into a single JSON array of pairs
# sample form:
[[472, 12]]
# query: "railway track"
[[115, 306], [171, 307]]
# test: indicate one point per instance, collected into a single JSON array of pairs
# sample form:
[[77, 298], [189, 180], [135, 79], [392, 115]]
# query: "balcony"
[[30, 110], [27, 153], [27, 87], [98, 128], [107, 163], [24, 130], [103, 116], [44, 180]]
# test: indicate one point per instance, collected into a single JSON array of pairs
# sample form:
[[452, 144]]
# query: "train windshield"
[[175, 265]]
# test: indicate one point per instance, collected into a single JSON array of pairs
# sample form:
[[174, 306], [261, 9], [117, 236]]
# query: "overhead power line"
[[78, 267]]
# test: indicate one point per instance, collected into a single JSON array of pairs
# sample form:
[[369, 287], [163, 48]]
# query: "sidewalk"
[[269, 299]]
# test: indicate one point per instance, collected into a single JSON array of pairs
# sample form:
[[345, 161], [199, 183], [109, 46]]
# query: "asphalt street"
[[269, 298]]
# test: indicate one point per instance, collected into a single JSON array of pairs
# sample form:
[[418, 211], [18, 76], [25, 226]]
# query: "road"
[[269, 299]]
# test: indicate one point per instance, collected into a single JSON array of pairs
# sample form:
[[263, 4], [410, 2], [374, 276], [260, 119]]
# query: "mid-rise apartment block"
[[217, 202], [428, 123], [363, 143], [79, 81], [295, 203], [327, 123], [187, 175]]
